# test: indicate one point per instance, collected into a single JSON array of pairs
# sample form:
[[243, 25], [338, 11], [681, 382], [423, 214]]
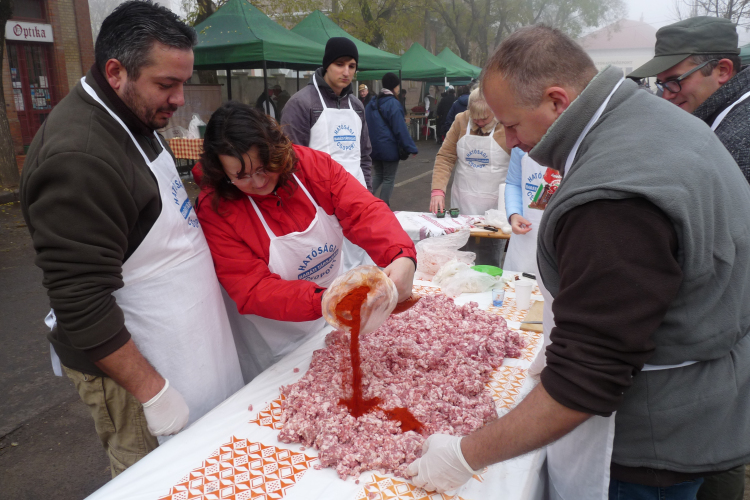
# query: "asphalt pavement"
[[48, 446]]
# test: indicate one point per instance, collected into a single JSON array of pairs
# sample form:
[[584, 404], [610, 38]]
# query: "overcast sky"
[[658, 13]]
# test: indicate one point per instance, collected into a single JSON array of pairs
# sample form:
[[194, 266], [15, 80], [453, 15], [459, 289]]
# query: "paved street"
[[48, 447]]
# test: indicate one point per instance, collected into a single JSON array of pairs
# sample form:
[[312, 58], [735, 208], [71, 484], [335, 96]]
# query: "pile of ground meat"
[[434, 359]]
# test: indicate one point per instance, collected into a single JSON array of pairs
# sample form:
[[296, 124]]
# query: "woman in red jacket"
[[275, 216]]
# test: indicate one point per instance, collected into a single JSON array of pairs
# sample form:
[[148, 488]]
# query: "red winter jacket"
[[239, 243]]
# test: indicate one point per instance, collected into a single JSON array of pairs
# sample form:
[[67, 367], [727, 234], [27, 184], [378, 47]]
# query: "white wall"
[[626, 59]]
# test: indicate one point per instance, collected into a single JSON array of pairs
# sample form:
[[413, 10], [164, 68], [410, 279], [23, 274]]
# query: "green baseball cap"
[[697, 35]]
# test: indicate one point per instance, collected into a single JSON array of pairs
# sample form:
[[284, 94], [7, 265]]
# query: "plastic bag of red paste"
[[380, 302]]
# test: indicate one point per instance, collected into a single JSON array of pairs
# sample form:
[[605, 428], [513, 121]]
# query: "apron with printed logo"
[[338, 133], [171, 298], [481, 167], [313, 255], [536, 181]]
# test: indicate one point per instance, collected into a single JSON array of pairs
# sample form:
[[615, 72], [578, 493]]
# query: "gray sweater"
[[695, 418]]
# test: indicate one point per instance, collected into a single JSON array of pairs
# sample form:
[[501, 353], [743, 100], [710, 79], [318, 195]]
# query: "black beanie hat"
[[390, 81], [339, 46]]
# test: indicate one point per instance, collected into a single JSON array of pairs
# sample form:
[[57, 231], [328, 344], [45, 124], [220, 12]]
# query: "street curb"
[[9, 197]]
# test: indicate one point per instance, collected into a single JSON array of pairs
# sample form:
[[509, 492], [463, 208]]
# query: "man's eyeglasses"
[[674, 85]]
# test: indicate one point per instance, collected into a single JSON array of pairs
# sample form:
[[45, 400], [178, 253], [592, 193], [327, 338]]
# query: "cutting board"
[[535, 313]]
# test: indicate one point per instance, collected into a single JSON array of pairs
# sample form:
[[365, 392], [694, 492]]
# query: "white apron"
[[338, 133], [171, 298], [313, 255], [521, 255], [481, 167], [724, 113]]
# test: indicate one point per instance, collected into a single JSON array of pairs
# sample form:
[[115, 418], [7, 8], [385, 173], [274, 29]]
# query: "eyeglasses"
[[260, 175], [674, 85]]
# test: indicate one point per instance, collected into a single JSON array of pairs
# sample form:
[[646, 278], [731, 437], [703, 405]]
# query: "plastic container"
[[201, 130], [498, 296], [523, 294], [491, 270]]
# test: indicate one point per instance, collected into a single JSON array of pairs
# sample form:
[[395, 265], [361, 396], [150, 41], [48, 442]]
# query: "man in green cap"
[[697, 67]]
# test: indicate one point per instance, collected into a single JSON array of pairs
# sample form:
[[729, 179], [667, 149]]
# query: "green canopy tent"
[[419, 64], [745, 54], [449, 57], [318, 28], [239, 36]]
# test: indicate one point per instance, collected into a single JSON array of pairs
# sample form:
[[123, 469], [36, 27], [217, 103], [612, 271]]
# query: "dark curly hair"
[[233, 129]]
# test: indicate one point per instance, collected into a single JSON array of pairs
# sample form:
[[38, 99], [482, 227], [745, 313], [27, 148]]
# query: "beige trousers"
[[118, 418]]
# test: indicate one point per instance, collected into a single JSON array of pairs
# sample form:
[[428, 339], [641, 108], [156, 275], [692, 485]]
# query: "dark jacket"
[[304, 108], [89, 200], [444, 107], [734, 130], [388, 132], [461, 104]]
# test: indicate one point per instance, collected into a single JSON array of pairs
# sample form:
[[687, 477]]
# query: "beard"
[[141, 108]]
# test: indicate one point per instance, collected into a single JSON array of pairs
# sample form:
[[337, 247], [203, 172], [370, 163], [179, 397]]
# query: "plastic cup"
[[498, 296], [523, 294]]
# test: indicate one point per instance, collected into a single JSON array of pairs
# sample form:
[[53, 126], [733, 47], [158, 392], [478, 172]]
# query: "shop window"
[[32, 87]]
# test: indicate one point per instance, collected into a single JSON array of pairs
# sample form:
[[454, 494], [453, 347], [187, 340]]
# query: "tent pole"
[[265, 88], [297, 80], [229, 84]]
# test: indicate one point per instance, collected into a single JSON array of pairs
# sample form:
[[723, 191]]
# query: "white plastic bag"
[[498, 219], [433, 253], [381, 299], [457, 277], [193, 132]]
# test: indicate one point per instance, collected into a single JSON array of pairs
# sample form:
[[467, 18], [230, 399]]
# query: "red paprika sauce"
[[348, 312]]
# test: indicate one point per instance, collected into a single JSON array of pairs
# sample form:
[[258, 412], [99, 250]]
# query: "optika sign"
[[28, 32]]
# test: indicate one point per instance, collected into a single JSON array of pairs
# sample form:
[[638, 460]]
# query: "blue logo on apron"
[[180, 198], [323, 267], [344, 137], [477, 158]]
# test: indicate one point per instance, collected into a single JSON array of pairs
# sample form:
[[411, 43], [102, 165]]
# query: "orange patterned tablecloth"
[[233, 453], [186, 149]]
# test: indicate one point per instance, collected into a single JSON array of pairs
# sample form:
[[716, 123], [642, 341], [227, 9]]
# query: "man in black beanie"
[[326, 115]]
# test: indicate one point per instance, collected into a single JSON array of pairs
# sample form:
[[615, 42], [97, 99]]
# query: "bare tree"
[[8, 169], [737, 11]]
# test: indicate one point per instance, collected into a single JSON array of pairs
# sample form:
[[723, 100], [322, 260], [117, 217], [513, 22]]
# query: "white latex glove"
[[166, 413], [442, 466]]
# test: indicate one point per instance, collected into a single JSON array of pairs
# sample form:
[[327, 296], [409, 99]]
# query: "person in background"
[[389, 135], [697, 66], [327, 116], [265, 102], [475, 147], [458, 106], [442, 110], [647, 385], [430, 108], [365, 96], [402, 99], [282, 97], [137, 318], [264, 204]]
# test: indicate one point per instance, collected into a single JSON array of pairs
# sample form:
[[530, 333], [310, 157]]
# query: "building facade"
[[626, 44], [48, 48]]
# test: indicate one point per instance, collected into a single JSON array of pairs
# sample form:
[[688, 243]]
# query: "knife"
[[532, 322]]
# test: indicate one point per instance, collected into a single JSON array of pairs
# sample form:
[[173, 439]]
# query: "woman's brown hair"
[[233, 129]]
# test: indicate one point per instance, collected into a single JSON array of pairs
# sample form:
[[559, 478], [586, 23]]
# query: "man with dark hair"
[[646, 388], [697, 66], [138, 322], [326, 115], [442, 110], [460, 105]]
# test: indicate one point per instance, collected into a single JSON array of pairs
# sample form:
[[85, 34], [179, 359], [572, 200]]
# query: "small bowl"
[[454, 212]]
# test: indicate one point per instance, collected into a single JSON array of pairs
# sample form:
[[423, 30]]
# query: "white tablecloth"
[[224, 455], [421, 225]]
